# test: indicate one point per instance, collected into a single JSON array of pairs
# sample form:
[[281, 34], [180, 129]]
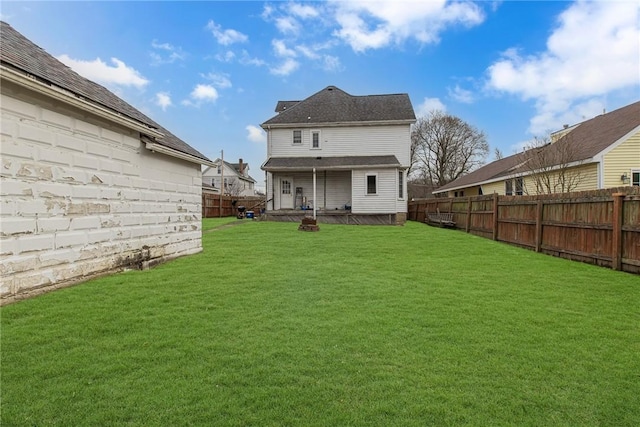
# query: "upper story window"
[[372, 184], [297, 137], [315, 139]]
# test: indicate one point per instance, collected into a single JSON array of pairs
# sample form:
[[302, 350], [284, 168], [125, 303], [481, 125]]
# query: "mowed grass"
[[349, 326]]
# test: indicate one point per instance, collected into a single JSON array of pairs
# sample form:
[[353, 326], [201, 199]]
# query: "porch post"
[[315, 201]]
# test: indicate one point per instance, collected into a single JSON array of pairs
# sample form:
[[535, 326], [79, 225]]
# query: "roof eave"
[[74, 100], [267, 126]]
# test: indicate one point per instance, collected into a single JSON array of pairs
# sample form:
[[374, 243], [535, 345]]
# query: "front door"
[[286, 192]]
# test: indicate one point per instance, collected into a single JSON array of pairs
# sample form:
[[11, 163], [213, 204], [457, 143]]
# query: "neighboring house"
[[89, 184], [338, 153], [602, 152], [237, 181]]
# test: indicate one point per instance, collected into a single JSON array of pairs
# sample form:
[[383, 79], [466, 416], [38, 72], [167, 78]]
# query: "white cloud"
[[228, 56], [303, 11], [221, 81], [100, 72], [428, 105], [373, 25], [201, 93], [461, 95], [285, 68], [256, 134], [594, 50], [287, 25], [163, 100], [280, 49], [226, 37], [331, 63], [246, 59], [166, 53]]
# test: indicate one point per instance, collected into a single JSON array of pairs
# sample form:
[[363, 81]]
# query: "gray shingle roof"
[[20, 54], [588, 139], [333, 105], [346, 162]]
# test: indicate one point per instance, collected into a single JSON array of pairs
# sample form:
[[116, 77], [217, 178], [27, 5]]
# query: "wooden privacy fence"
[[600, 227], [214, 206]]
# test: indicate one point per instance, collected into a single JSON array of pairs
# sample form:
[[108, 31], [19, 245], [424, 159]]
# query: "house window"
[[459, 193], [519, 186], [508, 187], [286, 187], [213, 182], [635, 178], [297, 137], [400, 185], [219, 169], [479, 191], [315, 139], [372, 184]]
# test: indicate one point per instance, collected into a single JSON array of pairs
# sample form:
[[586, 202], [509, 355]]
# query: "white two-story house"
[[343, 157], [233, 177]]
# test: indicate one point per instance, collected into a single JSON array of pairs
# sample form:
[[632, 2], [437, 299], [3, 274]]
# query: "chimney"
[[240, 167]]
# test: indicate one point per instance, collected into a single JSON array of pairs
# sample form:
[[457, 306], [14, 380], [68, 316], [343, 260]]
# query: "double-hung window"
[[315, 139], [508, 187], [519, 186], [372, 184], [297, 137]]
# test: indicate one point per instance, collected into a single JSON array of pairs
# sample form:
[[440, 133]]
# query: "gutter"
[[155, 147], [335, 124]]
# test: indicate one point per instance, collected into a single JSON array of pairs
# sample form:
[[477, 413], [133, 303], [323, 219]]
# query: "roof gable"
[[333, 105], [588, 139], [20, 54]]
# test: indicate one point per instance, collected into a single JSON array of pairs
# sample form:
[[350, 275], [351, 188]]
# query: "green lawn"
[[349, 326]]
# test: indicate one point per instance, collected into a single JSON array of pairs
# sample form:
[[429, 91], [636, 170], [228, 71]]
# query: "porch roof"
[[326, 163]]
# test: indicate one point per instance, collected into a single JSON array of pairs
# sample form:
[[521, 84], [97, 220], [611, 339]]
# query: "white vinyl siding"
[[384, 202], [346, 141]]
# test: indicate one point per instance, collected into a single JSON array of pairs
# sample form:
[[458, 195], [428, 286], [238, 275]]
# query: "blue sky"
[[212, 71]]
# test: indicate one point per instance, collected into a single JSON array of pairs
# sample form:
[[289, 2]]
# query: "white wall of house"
[[82, 196], [214, 175], [344, 141], [385, 199]]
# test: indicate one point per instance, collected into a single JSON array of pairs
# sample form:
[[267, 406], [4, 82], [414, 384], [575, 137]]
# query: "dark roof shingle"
[[20, 54], [344, 162], [333, 105]]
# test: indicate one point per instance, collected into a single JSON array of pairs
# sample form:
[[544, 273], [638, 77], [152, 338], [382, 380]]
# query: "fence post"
[[539, 212], [495, 216], [616, 229], [468, 225]]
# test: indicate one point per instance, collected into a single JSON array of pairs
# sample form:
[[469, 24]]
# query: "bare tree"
[[233, 187], [444, 148], [497, 154], [551, 166]]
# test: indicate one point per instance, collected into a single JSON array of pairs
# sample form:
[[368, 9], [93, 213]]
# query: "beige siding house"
[[89, 184], [339, 154], [603, 152]]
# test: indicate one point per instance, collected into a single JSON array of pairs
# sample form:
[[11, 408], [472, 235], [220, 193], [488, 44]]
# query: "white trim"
[[336, 124], [366, 183], [319, 147], [599, 156], [70, 98], [177, 154]]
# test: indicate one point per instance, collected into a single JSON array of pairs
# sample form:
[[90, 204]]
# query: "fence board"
[[584, 226]]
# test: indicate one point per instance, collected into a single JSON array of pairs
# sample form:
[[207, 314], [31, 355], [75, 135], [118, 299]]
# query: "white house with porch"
[[339, 157]]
